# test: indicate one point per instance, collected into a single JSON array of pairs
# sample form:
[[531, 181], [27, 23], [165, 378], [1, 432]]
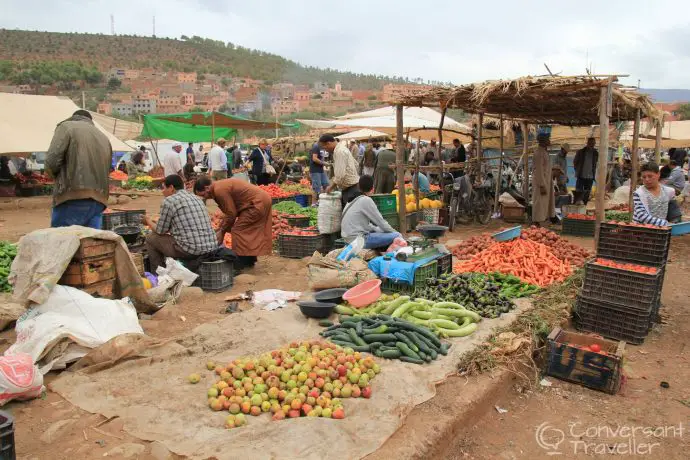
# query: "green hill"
[[83, 54]]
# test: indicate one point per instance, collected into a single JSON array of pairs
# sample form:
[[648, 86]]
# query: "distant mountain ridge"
[[667, 95]]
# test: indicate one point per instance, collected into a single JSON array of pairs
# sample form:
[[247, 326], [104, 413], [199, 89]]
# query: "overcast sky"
[[439, 40]]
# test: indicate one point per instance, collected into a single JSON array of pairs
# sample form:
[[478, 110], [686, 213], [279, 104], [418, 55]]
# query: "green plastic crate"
[[392, 219], [385, 202], [426, 271]]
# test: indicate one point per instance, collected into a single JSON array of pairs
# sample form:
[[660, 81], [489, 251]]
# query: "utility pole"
[[83, 100], [154, 27], [112, 25]]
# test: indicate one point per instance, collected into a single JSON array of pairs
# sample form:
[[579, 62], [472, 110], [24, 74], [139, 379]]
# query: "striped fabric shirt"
[[648, 209]]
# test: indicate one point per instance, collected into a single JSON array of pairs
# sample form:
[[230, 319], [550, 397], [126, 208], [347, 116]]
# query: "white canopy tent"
[[362, 134], [384, 118], [121, 129], [27, 123]]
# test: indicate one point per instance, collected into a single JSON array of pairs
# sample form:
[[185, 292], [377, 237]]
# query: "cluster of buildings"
[[152, 91]]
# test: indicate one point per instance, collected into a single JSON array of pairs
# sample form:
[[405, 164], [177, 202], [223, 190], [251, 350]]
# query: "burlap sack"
[[326, 272]]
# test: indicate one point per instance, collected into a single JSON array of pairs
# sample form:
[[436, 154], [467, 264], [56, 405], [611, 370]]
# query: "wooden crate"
[[515, 214], [81, 273], [569, 358], [104, 289], [90, 248]]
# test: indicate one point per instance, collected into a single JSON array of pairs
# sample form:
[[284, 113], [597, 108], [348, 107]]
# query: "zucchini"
[[344, 310], [405, 350], [407, 359], [369, 338], [403, 338], [391, 354], [391, 306], [444, 324], [355, 338], [462, 332], [459, 313], [402, 309], [325, 323]]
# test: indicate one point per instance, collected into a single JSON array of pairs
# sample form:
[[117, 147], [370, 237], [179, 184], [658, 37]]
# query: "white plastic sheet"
[[70, 322]]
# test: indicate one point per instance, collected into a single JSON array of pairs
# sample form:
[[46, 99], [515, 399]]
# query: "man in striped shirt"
[[651, 200]]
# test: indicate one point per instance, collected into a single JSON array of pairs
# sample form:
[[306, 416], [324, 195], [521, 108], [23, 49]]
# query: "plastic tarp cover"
[[157, 128], [184, 423]]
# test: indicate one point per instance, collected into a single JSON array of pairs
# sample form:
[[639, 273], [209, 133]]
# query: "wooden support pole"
[[415, 181], [441, 181], [525, 160], [635, 158], [480, 153], [500, 168], [400, 167], [602, 164], [657, 144]]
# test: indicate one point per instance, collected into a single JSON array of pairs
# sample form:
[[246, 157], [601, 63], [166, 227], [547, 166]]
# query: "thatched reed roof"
[[560, 100]]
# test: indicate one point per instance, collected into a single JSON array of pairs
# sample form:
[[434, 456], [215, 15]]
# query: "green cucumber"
[[462, 332], [444, 348], [377, 330], [420, 344], [369, 338], [390, 307], [403, 308], [407, 351], [359, 328], [361, 348], [344, 310], [355, 338], [391, 354], [325, 323], [444, 324], [403, 338], [457, 313], [407, 359], [421, 330]]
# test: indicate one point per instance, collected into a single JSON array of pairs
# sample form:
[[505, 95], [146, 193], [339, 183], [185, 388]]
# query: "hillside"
[[26, 48]]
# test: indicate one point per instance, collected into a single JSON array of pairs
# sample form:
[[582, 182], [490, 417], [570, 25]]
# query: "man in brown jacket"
[[79, 159]]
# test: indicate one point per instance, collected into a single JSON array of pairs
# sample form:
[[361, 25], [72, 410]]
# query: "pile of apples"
[[309, 378]]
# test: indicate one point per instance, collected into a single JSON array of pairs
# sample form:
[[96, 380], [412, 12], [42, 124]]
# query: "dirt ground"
[[52, 428]]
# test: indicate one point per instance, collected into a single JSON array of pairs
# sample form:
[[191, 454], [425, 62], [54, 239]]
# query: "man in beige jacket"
[[79, 159]]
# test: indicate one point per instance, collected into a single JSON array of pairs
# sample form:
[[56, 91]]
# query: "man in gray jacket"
[[79, 159], [362, 217]]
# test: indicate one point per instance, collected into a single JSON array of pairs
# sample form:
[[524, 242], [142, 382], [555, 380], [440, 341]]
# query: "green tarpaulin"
[[200, 126]]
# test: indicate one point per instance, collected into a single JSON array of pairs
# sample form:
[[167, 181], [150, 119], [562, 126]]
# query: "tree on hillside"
[[114, 83], [684, 111]]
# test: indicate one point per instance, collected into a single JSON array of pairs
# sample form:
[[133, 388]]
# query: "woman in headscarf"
[[368, 162], [135, 167], [248, 216]]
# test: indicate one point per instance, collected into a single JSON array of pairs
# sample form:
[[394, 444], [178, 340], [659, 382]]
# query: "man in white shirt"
[[217, 161], [172, 164], [199, 155]]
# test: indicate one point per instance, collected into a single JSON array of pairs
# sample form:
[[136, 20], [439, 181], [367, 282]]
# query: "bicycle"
[[470, 201]]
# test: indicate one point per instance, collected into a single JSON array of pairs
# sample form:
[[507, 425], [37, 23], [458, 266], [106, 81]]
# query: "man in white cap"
[[217, 161], [172, 163]]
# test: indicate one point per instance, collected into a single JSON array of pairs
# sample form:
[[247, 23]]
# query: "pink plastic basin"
[[363, 294]]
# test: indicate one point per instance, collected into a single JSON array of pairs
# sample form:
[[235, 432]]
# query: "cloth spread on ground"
[[183, 422], [43, 255], [396, 270]]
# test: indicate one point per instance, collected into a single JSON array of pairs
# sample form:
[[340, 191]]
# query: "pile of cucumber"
[[386, 337]]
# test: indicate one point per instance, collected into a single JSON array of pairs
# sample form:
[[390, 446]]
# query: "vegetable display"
[[118, 175], [290, 207], [392, 337], [301, 379], [471, 246], [625, 266], [580, 216], [561, 248], [296, 189], [275, 191], [532, 262], [635, 224], [421, 312], [622, 216], [8, 252], [476, 292]]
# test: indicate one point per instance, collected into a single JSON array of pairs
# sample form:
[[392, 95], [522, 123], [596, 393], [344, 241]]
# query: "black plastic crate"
[[298, 221], [329, 242], [7, 450], [639, 291], [423, 273], [612, 321], [339, 243], [627, 243], [569, 359], [445, 264], [215, 276], [113, 219], [578, 227], [299, 246]]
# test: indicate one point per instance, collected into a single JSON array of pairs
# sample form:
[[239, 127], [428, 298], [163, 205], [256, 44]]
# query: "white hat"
[[177, 144]]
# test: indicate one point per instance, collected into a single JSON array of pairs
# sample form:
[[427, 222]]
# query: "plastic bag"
[[397, 243], [272, 299], [351, 250], [330, 212], [19, 378], [175, 271]]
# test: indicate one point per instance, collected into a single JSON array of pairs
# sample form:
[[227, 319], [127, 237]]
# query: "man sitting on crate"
[[362, 217], [183, 230]]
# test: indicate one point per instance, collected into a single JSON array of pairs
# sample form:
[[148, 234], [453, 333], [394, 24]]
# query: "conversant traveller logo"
[[627, 440]]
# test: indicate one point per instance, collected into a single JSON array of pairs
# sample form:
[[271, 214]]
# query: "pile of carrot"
[[532, 262]]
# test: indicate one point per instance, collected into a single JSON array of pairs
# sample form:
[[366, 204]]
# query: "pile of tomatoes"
[[580, 216], [625, 266], [634, 224], [275, 191]]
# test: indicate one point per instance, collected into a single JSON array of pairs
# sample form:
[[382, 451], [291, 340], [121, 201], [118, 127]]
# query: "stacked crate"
[[623, 304], [92, 268]]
